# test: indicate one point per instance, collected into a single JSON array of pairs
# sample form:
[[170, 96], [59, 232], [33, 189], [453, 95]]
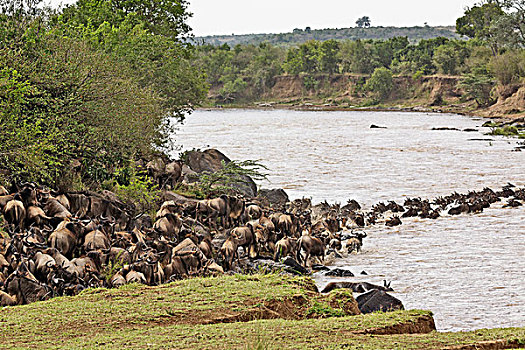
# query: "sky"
[[216, 17]]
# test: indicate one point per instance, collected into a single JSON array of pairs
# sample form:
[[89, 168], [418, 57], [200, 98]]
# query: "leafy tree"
[[478, 86], [478, 22], [356, 57], [508, 68], [151, 37], [450, 57], [363, 22], [381, 82], [328, 60], [79, 101]]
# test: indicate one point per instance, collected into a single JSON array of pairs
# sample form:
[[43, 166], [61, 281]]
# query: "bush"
[[478, 85], [381, 83], [508, 68], [77, 103]]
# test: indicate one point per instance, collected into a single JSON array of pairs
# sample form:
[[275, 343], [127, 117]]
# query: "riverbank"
[[344, 92], [229, 312]]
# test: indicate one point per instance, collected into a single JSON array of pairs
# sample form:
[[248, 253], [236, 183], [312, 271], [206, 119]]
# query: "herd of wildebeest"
[[55, 244]]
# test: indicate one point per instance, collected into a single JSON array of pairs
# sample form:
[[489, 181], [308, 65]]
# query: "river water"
[[469, 269]]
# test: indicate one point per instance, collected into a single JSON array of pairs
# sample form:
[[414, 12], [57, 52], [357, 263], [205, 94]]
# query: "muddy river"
[[469, 270]]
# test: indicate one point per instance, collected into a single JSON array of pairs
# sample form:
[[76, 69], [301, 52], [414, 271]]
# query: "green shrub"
[[381, 83]]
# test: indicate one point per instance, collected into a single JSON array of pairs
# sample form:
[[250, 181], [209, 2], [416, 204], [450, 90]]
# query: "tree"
[[478, 85], [96, 97], [363, 22], [510, 28], [356, 57], [446, 58], [150, 36], [328, 60], [381, 82], [479, 21]]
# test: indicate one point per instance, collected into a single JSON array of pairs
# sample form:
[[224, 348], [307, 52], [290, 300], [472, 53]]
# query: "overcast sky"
[[276, 16]]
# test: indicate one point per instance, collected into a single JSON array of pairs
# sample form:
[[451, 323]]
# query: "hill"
[[298, 36]]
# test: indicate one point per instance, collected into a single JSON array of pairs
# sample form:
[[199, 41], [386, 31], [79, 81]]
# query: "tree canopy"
[[87, 90]]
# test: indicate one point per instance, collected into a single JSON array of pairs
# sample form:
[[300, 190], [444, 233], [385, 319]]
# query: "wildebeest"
[[312, 246], [245, 237], [228, 253], [66, 237], [285, 246], [355, 243], [168, 226], [15, 213], [357, 287]]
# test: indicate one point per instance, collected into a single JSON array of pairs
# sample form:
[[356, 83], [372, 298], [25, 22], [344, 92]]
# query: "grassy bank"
[[244, 312]]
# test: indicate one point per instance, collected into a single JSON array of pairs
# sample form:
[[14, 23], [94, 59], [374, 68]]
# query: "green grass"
[[201, 313]]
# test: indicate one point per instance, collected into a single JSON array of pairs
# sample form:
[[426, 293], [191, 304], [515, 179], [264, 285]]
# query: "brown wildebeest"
[[7, 300], [168, 226], [312, 246], [65, 238], [28, 194], [237, 208], [96, 240], [35, 215], [354, 244], [229, 252], [25, 286], [4, 200], [15, 213], [54, 208], [245, 237], [285, 246], [79, 204], [253, 212], [285, 225]]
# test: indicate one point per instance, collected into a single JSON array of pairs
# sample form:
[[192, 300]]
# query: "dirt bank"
[[436, 93]]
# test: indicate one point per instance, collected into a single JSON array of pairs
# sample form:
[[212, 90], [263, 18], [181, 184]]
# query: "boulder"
[[276, 197], [337, 272], [378, 300], [210, 161]]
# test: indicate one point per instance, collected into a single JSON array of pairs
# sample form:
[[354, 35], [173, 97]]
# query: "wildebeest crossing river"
[[468, 269]]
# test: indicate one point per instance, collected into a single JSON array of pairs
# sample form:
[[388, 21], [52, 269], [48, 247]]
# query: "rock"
[[318, 267], [211, 160], [276, 197], [373, 126], [378, 300], [339, 273], [189, 176], [177, 198], [364, 273], [445, 129], [291, 262]]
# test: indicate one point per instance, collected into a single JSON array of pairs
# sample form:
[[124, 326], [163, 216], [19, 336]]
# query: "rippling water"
[[469, 270]]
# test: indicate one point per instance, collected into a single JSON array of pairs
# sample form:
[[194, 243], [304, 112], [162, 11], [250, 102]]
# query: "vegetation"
[[86, 90], [234, 312], [491, 59], [299, 36]]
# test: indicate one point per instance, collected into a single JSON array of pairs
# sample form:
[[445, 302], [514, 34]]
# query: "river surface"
[[469, 269]]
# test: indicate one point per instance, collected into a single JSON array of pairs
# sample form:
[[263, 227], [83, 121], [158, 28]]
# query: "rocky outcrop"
[[211, 160], [275, 197]]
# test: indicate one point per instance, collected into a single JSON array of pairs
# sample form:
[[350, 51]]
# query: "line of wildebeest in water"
[[62, 243]]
